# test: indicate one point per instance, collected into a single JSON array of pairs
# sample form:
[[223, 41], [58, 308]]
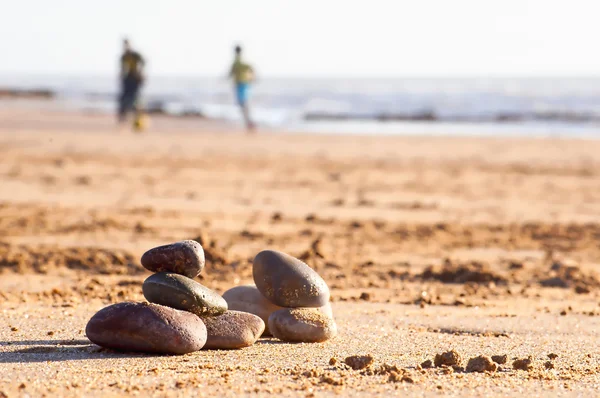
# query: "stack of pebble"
[[289, 296], [183, 316]]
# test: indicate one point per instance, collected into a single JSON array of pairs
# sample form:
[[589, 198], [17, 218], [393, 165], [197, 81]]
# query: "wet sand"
[[485, 246]]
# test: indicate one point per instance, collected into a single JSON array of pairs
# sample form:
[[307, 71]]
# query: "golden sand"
[[483, 246]]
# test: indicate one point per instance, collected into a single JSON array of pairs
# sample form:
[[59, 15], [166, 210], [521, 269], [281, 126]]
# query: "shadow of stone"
[[46, 342], [62, 350]]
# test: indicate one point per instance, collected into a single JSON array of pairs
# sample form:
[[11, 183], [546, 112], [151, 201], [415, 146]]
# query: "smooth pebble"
[[183, 293], [287, 281], [146, 327], [233, 329], [247, 298], [184, 258]]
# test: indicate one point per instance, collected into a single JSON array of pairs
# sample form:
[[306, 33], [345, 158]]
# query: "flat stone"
[[183, 293], [233, 329], [146, 327], [287, 281], [184, 258], [307, 325]]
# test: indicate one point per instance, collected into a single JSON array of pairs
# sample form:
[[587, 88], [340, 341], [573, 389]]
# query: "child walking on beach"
[[242, 75]]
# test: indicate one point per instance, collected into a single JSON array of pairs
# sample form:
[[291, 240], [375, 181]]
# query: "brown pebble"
[[332, 361], [146, 327], [549, 365], [552, 356], [358, 362], [481, 364], [523, 364], [427, 364], [247, 298], [184, 258], [309, 325], [287, 281], [14, 329], [500, 359], [233, 329], [449, 358]]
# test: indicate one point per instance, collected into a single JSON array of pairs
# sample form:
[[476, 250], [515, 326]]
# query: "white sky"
[[306, 38]]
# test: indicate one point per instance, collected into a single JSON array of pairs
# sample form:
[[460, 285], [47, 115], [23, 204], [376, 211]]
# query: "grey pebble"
[[183, 293]]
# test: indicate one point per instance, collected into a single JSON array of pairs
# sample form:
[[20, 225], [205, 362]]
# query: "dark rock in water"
[[307, 325], [233, 329], [184, 258], [247, 298], [287, 281], [146, 327], [183, 293]]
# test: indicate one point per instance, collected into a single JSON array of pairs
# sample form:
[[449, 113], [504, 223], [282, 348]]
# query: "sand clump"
[[523, 364], [500, 359], [481, 364], [448, 358], [359, 362]]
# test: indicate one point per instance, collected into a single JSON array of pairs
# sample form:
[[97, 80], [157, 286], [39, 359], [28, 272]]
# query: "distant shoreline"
[[17, 93]]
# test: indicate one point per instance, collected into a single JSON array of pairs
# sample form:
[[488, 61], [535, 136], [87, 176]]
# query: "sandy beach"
[[486, 246]]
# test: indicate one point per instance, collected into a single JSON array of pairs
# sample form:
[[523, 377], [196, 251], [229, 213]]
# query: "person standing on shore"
[[242, 75], [131, 78]]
